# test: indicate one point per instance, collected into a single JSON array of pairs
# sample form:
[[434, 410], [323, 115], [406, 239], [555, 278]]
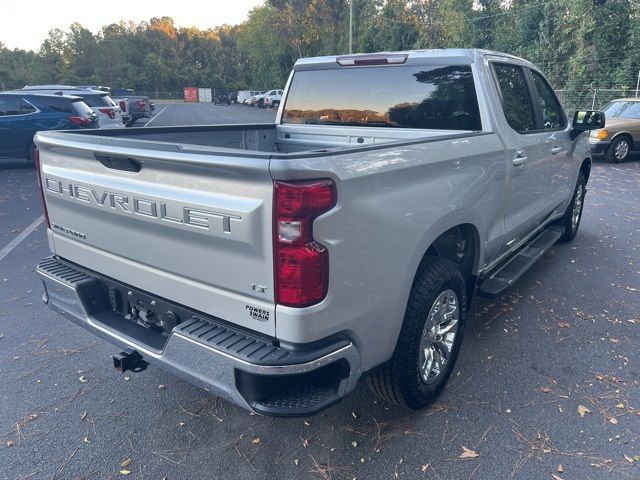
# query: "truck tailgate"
[[191, 228]]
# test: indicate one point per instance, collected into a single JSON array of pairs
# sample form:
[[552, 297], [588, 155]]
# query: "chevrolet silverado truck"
[[275, 265]]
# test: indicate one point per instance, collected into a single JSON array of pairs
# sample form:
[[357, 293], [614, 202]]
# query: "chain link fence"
[[593, 98]]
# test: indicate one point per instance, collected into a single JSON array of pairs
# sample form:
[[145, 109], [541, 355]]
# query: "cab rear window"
[[426, 97]]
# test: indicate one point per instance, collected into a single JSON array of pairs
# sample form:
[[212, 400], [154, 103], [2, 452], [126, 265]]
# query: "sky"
[[25, 24]]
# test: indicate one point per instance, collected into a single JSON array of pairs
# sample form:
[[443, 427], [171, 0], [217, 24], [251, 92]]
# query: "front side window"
[[10, 106], [552, 113], [427, 97], [516, 101]]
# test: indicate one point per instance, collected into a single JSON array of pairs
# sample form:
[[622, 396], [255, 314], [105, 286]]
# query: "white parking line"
[[24, 234], [156, 116]]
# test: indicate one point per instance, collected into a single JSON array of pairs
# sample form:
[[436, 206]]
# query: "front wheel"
[[429, 339], [573, 214], [619, 150]]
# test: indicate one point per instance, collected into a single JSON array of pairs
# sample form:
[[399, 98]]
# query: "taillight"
[[301, 264], [123, 106], [109, 111], [141, 103], [81, 121], [36, 159]]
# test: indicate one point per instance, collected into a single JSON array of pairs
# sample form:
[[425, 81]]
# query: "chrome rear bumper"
[[249, 371]]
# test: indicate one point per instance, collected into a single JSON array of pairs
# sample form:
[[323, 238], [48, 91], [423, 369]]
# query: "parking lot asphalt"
[[547, 383]]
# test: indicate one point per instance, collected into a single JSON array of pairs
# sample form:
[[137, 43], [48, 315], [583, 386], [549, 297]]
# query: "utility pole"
[[351, 33], [638, 84]]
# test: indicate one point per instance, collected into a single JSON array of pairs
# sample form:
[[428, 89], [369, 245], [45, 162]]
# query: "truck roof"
[[437, 56]]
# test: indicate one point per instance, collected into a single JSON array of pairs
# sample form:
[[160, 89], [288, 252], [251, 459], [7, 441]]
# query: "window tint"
[[516, 101], [96, 100], [81, 109], [433, 97], [10, 105], [552, 113], [62, 105], [623, 110], [26, 107]]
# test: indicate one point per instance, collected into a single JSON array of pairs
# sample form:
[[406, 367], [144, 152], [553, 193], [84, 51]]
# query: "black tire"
[[571, 227], [275, 104], [619, 150], [400, 381], [29, 156]]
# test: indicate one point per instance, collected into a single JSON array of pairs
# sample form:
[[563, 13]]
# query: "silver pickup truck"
[[276, 264]]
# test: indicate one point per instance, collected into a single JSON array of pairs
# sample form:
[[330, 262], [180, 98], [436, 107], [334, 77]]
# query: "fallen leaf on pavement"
[[426, 467], [628, 458], [564, 324], [468, 453], [10, 443], [560, 468], [620, 405], [125, 472], [582, 410], [555, 477], [613, 420], [544, 389], [256, 440], [82, 379]]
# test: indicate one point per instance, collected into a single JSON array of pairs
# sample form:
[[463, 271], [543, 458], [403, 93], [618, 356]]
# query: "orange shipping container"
[[190, 94]]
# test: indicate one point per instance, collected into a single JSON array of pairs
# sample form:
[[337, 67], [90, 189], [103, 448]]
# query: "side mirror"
[[585, 120]]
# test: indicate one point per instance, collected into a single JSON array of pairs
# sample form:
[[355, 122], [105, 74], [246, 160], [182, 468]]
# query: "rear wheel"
[[429, 340], [619, 150], [573, 215], [30, 156]]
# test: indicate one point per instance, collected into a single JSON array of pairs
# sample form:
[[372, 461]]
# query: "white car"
[[109, 114], [245, 95], [272, 98], [256, 100]]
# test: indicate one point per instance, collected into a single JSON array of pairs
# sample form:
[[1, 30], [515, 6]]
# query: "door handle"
[[520, 159], [555, 150]]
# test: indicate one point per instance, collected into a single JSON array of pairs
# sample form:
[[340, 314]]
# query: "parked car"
[[109, 114], [256, 100], [245, 95], [275, 265], [621, 133], [23, 114], [137, 106], [272, 98]]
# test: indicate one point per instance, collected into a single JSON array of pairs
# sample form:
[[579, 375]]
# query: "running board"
[[510, 271]]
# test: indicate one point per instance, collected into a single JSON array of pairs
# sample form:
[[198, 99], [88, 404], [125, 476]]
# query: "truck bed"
[[255, 140]]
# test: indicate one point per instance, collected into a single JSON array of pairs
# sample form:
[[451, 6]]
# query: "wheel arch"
[[585, 168], [460, 243]]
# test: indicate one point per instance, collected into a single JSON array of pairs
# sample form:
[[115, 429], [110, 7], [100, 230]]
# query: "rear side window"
[[516, 101], [26, 108], [427, 97], [552, 113], [10, 105]]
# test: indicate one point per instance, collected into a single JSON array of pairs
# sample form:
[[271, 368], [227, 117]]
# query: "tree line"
[[577, 43]]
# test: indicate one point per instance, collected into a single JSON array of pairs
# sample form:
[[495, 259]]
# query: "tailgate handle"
[[119, 163]]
